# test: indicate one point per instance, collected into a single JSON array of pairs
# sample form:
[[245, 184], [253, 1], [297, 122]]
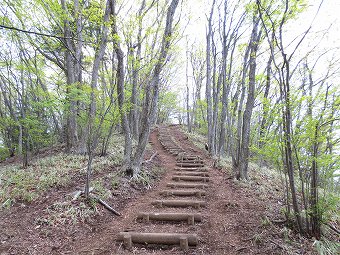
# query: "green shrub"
[[4, 153]]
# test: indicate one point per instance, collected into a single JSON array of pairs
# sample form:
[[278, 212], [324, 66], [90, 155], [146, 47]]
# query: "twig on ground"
[[6, 202], [106, 205], [151, 158], [102, 202], [242, 248]]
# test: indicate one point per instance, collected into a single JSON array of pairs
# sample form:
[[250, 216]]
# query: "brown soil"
[[235, 220]]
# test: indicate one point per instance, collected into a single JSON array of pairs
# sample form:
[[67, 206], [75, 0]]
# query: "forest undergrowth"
[[268, 184], [49, 191]]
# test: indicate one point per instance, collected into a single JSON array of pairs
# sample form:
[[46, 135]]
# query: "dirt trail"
[[232, 220], [227, 227]]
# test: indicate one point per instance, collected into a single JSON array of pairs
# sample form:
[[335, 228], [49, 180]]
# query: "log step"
[[201, 169], [193, 161], [189, 157], [187, 185], [175, 150], [184, 240], [180, 203], [192, 173], [191, 218], [190, 178], [185, 192], [189, 164]]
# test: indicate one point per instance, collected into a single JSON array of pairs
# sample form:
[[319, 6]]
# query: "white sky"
[[328, 15]]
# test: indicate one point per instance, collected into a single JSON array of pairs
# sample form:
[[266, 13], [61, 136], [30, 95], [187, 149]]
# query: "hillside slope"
[[241, 218]]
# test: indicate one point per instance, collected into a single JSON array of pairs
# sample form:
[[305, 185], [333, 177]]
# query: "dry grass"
[[26, 185]]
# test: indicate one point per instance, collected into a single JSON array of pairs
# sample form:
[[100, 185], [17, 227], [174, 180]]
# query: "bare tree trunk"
[[315, 214], [284, 84], [225, 86], [287, 124], [92, 130], [71, 122], [151, 100], [229, 115], [208, 82], [198, 74], [134, 113], [23, 106], [99, 54], [88, 173], [237, 138], [187, 90], [121, 95], [216, 92], [244, 156], [266, 103]]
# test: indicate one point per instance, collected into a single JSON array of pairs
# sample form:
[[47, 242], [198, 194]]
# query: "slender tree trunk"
[[216, 92], [92, 134], [71, 122], [187, 90], [88, 173], [315, 214], [287, 124], [265, 103], [134, 113], [197, 72], [225, 86], [244, 152], [238, 136], [208, 82], [152, 93], [121, 94]]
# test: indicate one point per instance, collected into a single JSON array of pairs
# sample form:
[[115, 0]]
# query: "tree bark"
[[187, 90], [208, 82], [237, 138], [121, 94], [244, 153], [265, 103], [152, 93], [71, 121]]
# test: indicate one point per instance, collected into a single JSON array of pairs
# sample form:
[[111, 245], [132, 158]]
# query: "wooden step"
[[191, 218], [190, 178], [181, 164], [175, 150], [201, 169], [180, 203], [192, 161], [187, 185], [183, 192], [184, 240], [191, 173], [188, 157]]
